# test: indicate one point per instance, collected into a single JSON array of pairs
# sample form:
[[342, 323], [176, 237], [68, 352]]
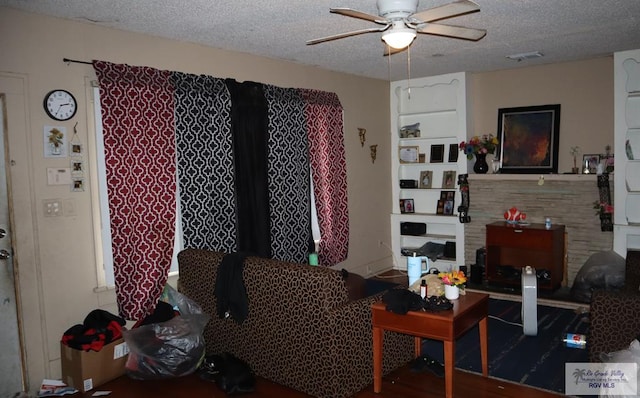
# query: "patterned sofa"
[[302, 330], [614, 316]]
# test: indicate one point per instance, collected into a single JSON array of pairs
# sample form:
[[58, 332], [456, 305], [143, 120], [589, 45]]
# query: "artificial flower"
[[453, 278], [484, 144]]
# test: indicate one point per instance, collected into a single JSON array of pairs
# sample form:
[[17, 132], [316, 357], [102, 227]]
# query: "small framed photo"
[[77, 185], [447, 195], [437, 153], [453, 153], [408, 154], [76, 149], [449, 179], [440, 207], [421, 158], [426, 178], [448, 208], [77, 167], [406, 206], [590, 163]]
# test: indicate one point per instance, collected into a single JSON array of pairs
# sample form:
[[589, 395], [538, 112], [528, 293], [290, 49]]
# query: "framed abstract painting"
[[529, 138]]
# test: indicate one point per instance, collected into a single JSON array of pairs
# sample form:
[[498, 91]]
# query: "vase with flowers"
[[480, 146], [453, 281]]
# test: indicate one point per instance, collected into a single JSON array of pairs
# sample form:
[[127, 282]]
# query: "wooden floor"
[[400, 383]]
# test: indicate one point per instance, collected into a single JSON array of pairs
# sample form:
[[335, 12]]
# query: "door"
[[10, 353]]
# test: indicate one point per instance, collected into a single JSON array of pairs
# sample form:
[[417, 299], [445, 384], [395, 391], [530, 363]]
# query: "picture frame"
[[77, 185], [55, 141], [76, 149], [523, 128], [449, 179], [453, 153], [426, 179], [77, 167], [440, 207], [407, 206], [448, 208], [590, 162], [437, 153], [447, 195], [408, 154]]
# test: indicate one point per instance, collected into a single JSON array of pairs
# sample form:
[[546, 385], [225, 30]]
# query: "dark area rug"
[[536, 361]]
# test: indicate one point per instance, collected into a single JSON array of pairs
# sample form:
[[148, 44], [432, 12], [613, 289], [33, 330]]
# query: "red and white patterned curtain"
[[139, 140], [324, 117]]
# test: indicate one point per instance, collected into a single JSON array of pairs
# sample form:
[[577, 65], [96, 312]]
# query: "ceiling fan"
[[400, 22]]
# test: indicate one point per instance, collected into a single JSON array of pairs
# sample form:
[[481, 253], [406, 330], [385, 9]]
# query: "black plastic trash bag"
[[168, 349]]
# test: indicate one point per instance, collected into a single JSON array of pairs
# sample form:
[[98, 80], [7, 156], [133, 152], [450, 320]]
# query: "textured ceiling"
[[563, 30]]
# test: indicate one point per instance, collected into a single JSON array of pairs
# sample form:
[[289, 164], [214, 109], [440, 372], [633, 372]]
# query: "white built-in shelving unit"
[[627, 151], [439, 104]]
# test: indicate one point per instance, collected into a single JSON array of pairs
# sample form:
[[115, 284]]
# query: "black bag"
[[401, 301], [233, 375]]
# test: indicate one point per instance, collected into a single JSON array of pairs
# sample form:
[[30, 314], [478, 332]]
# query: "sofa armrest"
[[614, 322], [352, 342]]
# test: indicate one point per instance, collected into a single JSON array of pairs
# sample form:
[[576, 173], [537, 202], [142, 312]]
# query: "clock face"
[[60, 105]]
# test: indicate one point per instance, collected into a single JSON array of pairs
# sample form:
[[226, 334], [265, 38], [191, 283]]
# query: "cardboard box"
[[85, 370]]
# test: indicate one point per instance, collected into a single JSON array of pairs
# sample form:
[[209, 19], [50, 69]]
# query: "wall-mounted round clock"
[[60, 105]]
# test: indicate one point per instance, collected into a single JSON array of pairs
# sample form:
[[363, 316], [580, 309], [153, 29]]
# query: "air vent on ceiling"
[[520, 57]]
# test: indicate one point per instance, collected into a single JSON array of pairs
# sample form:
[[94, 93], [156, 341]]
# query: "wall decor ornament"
[[362, 133], [374, 151], [55, 142]]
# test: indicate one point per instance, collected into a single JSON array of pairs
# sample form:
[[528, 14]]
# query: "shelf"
[[433, 236]]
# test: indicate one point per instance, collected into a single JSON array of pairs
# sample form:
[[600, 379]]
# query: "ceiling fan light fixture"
[[399, 38]]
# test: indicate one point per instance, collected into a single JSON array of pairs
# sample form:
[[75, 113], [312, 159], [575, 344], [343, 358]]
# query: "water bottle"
[[547, 223], [573, 340]]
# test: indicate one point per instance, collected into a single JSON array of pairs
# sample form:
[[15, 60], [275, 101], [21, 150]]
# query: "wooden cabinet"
[[512, 247]]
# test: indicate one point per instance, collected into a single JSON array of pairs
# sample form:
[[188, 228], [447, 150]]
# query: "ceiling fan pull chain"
[[409, 71]]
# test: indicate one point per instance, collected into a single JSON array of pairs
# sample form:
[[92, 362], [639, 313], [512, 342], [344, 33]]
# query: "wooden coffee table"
[[470, 309]]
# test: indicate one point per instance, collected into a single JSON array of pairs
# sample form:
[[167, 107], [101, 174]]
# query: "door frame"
[[21, 201]]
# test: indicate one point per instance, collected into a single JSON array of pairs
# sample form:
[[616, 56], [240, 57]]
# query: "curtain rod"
[[67, 60]]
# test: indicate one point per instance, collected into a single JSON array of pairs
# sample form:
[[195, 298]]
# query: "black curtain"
[[249, 127]]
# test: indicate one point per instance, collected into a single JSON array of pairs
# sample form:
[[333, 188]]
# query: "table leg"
[[449, 362], [417, 346], [484, 346], [377, 358]]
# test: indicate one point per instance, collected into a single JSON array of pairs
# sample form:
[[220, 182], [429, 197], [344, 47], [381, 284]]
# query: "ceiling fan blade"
[[347, 34], [359, 14], [446, 11], [456, 32]]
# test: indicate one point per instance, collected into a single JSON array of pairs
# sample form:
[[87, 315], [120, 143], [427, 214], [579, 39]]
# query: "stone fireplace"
[[566, 198]]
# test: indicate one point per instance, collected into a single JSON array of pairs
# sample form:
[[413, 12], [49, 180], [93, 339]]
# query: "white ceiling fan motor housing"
[[397, 9]]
